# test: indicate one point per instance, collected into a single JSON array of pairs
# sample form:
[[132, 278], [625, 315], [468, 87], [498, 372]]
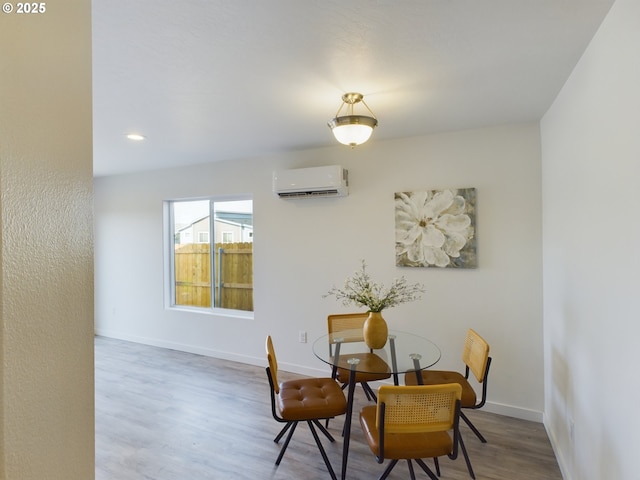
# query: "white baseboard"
[[182, 347], [561, 459], [513, 411]]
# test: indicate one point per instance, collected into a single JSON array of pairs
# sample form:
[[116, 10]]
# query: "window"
[[206, 276]]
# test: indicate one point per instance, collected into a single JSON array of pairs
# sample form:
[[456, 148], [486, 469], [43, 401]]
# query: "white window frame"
[[169, 261]]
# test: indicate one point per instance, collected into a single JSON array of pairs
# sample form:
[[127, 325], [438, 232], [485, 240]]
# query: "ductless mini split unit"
[[329, 181]]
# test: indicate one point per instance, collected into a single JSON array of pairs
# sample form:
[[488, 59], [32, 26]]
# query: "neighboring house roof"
[[228, 218]]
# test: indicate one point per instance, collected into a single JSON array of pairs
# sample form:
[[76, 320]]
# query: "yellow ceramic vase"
[[375, 331]]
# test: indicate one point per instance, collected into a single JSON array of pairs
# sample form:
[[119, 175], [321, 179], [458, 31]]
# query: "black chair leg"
[[283, 431], [371, 396], [366, 392], [321, 448], [324, 430], [286, 442], [473, 427], [387, 471], [437, 464], [411, 472], [466, 457], [426, 469]]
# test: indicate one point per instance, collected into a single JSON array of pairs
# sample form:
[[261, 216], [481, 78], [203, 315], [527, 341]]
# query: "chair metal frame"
[[475, 356], [479, 404], [477, 360], [413, 421], [290, 425]]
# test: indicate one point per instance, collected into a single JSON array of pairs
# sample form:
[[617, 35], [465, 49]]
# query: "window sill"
[[215, 312]]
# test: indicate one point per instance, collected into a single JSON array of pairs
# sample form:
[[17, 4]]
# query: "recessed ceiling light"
[[135, 136]]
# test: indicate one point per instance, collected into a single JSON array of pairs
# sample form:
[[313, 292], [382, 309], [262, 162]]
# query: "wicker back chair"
[[354, 322], [475, 355], [413, 423]]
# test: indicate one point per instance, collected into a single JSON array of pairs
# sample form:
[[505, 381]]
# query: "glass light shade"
[[353, 130]]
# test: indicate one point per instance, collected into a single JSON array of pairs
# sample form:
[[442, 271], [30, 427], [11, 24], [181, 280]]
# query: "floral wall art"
[[436, 228]]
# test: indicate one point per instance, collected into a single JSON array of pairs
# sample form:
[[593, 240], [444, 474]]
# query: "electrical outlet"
[[302, 336]]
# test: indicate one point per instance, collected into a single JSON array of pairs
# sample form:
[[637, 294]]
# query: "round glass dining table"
[[346, 349]]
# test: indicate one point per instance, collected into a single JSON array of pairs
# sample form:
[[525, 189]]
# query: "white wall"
[[302, 247], [46, 316], [591, 165]]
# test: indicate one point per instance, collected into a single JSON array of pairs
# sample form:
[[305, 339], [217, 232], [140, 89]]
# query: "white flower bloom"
[[431, 227], [362, 291]]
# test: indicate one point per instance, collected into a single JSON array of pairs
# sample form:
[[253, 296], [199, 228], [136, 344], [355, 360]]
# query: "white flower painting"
[[436, 228]]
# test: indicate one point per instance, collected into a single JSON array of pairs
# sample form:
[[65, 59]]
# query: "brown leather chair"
[[339, 322], [305, 399], [412, 423], [475, 356]]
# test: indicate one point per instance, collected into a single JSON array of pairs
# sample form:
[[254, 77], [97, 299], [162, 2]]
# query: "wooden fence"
[[233, 274]]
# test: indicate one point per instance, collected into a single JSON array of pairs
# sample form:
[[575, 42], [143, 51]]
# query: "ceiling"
[[212, 80]]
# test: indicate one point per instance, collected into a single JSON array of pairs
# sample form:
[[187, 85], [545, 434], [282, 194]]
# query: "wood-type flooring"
[[168, 415]]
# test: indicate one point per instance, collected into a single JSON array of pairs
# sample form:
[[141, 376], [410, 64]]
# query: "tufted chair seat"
[[310, 398]]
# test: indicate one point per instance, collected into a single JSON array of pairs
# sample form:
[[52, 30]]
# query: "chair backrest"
[[418, 408], [339, 322], [273, 364], [352, 323], [476, 354]]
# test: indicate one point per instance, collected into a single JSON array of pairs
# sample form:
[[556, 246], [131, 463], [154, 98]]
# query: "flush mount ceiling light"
[[352, 129]]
